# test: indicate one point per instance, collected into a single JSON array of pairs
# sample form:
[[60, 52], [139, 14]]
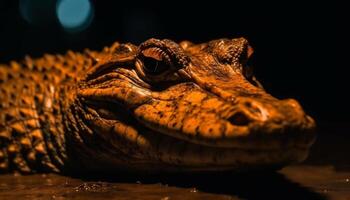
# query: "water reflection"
[[295, 182], [245, 186]]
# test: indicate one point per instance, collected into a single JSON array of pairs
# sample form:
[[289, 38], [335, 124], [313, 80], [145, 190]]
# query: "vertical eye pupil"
[[154, 66]]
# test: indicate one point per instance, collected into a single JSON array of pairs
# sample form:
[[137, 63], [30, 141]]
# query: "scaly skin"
[[161, 106]]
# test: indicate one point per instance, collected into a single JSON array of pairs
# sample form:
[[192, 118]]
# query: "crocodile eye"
[[155, 61], [153, 66]]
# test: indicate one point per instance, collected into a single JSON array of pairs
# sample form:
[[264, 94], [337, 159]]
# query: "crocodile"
[[160, 106]]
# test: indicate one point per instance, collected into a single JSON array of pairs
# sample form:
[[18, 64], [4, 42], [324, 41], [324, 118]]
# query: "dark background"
[[300, 50]]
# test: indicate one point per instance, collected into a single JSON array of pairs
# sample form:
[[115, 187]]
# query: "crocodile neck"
[[33, 100], [32, 133]]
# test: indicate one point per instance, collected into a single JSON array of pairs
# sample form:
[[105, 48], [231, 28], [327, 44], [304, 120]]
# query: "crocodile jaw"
[[183, 133]]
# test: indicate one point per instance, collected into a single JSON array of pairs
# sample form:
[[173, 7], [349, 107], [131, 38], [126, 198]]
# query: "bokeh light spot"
[[38, 12], [74, 15]]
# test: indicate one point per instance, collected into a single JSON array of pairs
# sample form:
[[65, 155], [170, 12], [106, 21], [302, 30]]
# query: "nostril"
[[239, 119], [252, 108], [248, 111]]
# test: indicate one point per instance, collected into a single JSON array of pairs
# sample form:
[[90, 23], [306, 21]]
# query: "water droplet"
[[194, 190]]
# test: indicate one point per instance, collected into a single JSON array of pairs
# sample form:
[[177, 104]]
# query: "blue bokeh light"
[[74, 15], [38, 12]]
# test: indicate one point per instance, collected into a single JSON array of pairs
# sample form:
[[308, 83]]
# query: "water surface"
[[294, 182]]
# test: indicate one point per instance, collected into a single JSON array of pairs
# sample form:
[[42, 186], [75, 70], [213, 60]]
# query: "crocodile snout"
[[253, 112]]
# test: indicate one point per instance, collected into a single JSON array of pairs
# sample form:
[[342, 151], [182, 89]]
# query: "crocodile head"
[[191, 107]]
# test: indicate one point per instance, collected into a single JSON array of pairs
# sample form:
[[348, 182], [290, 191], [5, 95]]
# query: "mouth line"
[[257, 141], [164, 136]]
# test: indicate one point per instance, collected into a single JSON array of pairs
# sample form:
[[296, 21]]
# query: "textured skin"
[[161, 106]]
